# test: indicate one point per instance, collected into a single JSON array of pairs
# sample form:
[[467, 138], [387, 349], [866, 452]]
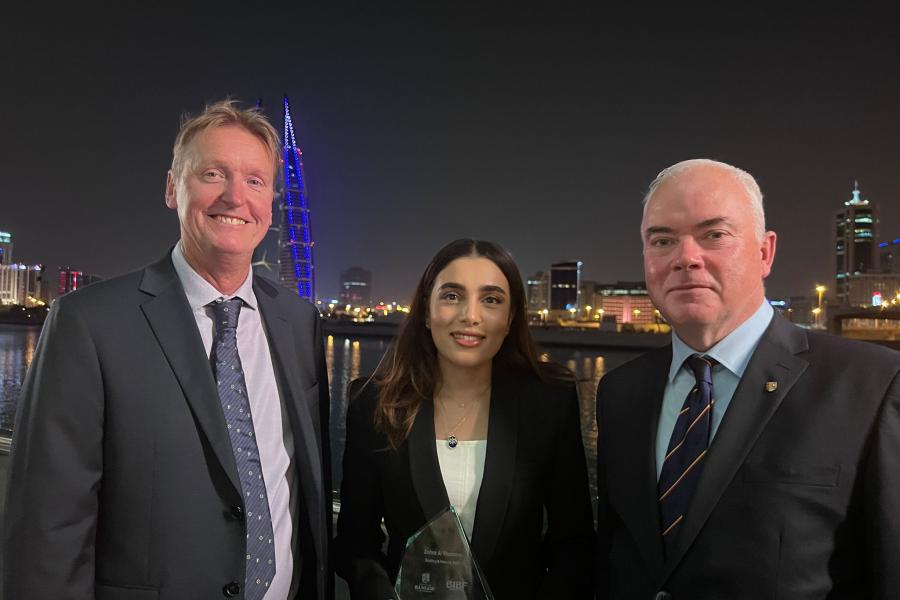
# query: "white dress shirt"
[[270, 424], [732, 354], [463, 469]]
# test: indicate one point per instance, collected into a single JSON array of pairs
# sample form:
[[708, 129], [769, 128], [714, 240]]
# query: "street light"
[[820, 290]]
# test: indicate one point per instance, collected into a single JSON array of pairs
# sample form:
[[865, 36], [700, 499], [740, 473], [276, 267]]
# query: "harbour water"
[[347, 358]]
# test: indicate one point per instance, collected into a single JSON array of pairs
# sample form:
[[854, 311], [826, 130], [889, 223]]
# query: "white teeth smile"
[[471, 338], [229, 220]]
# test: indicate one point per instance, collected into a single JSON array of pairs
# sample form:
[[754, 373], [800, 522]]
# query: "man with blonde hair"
[[749, 458], [172, 434]]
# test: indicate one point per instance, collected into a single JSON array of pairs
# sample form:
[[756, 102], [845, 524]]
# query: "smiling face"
[[223, 196], [703, 260], [469, 313]]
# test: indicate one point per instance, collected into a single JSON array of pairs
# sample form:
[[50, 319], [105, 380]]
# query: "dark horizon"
[[539, 130]]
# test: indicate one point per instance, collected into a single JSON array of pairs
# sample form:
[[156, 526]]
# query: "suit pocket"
[[124, 592], [809, 475]]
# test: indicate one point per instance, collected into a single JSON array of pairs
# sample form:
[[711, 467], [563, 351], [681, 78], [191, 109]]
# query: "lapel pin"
[[771, 386]]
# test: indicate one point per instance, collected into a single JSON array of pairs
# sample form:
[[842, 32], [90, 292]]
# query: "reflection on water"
[[589, 367], [346, 358], [17, 344]]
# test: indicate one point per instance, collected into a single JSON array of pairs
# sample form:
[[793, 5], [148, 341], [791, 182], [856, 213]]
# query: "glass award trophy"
[[439, 564]]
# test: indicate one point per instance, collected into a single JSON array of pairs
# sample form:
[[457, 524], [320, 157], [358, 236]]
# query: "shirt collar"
[[200, 292], [734, 350]]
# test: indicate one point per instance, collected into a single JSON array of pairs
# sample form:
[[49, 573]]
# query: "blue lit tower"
[[295, 247]]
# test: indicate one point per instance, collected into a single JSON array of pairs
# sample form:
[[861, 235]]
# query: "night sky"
[[423, 123]]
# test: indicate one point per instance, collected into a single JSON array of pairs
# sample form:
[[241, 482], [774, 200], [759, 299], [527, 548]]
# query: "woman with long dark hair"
[[461, 412]]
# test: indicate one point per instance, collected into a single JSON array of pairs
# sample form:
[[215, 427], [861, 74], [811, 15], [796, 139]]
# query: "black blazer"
[[800, 495], [122, 480], [535, 462]]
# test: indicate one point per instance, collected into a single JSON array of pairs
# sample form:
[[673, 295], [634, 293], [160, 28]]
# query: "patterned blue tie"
[[687, 449], [236, 407]]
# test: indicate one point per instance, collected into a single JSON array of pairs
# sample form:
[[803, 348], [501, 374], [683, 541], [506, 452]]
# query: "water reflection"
[[346, 359], [17, 344]]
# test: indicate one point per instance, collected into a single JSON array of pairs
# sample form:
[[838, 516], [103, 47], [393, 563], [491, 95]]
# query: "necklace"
[[452, 441]]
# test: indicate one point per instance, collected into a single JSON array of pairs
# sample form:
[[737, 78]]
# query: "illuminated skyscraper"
[[5, 248], [295, 252], [855, 245]]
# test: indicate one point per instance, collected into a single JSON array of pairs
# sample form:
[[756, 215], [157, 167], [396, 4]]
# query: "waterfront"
[[347, 358]]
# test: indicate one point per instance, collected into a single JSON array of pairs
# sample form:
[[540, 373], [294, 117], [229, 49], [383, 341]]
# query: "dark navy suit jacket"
[[122, 482], [799, 495]]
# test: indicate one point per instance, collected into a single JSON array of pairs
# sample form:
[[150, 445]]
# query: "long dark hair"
[[409, 372]]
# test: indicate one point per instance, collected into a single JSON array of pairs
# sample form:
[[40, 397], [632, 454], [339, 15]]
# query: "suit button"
[[232, 589], [662, 595], [237, 512]]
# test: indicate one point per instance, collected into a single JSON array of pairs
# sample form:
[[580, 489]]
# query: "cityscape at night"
[[395, 129]]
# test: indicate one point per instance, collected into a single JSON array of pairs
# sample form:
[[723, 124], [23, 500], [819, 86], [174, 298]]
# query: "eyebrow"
[[452, 285], [701, 225]]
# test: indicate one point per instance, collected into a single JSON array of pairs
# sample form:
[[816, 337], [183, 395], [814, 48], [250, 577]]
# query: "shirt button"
[[231, 589]]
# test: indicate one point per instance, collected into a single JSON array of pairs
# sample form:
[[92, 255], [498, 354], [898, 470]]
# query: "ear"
[[767, 253], [171, 200]]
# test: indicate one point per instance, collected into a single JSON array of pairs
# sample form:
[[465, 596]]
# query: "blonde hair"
[[218, 114]]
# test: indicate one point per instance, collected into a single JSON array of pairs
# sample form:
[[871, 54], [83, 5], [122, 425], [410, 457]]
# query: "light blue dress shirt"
[[732, 354]]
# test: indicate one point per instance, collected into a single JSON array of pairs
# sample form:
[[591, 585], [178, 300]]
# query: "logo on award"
[[425, 586]]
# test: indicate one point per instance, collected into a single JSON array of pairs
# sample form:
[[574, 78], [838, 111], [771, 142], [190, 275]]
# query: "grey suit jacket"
[[122, 481], [800, 493]]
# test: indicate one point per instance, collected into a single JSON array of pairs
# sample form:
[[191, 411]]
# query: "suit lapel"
[[295, 375], [639, 505], [499, 468], [175, 328], [423, 463], [750, 410]]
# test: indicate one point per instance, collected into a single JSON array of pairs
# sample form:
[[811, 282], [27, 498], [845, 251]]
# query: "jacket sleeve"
[[882, 498], [569, 540], [358, 547], [55, 466]]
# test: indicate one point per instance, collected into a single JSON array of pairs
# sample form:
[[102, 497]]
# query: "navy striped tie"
[[687, 449], [236, 407]]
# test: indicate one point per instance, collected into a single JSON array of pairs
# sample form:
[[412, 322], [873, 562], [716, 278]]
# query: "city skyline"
[[537, 130]]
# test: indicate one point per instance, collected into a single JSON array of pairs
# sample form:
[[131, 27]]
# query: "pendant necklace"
[[452, 441]]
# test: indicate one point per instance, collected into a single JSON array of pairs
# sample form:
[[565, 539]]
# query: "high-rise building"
[[536, 288], [356, 287], [13, 280], [565, 281], [6, 255], [856, 232], [73, 279], [23, 284], [295, 259]]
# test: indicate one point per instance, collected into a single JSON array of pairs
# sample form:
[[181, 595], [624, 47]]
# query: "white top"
[[463, 469], [274, 437]]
